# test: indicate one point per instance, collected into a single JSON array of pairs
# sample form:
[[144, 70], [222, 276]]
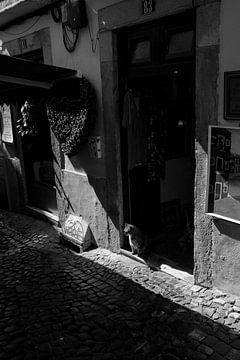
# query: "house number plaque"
[[147, 7]]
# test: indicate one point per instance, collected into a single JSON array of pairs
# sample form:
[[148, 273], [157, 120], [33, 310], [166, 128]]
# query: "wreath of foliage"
[[72, 119]]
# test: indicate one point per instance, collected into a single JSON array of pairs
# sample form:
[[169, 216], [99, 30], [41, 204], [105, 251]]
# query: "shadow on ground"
[[57, 305]]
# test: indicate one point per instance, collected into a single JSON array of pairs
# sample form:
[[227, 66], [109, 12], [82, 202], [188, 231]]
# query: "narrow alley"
[[55, 304]]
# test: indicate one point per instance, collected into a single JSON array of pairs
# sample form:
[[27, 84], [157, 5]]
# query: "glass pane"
[[224, 173], [181, 43], [140, 51]]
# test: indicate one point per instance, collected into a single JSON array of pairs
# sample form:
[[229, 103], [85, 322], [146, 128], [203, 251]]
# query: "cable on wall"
[[93, 41], [73, 17], [70, 37], [56, 13], [22, 32]]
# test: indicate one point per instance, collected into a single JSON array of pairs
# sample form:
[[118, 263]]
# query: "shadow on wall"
[[94, 199], [226, 245], [57, 305], [99, 186], [11, 186]]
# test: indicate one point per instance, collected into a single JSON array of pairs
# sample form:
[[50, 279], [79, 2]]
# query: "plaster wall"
[[93, 185], [226, 236], [82, 178], [82, 59], [207, 71]]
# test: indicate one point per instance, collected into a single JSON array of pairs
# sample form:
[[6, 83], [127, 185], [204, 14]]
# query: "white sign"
[[7, 133]]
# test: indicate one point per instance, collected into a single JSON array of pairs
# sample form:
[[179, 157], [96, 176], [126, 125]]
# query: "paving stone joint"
[[97, 305]]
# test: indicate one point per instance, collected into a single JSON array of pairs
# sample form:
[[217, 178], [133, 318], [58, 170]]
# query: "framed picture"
[[232, 95], [223, 190]]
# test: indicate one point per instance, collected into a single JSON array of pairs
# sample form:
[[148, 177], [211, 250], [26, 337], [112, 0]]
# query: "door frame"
[[123, 14], [38, 41], [111, 19]]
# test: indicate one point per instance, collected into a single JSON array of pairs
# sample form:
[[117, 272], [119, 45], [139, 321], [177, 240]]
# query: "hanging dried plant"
[[72, 119], [29, 122]]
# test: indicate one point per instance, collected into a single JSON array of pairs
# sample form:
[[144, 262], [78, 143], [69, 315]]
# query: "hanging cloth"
[[133, 121], [156, 149]]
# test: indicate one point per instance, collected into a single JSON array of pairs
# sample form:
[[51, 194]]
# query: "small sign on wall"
[[6, 126], [94, 147], [147, 6]]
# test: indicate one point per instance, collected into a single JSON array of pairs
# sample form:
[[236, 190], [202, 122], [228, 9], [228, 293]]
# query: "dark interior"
[[157, 97]]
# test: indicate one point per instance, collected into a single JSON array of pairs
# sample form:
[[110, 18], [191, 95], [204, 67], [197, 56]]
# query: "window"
[[218, 190], [140, 51], [179, 44]]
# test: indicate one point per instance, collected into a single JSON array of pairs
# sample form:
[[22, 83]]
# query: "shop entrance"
[[38, 156], [157, 134]]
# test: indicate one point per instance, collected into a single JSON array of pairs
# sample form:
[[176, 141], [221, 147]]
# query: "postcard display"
[[224, 173]]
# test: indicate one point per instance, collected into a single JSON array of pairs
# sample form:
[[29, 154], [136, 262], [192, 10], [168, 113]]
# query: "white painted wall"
[[82, 59]]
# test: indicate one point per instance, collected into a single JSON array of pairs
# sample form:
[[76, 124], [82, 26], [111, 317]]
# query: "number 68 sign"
[[147, 6]]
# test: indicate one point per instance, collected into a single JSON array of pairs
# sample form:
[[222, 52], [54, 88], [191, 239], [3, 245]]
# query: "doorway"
[[38, 157], [157, 82]]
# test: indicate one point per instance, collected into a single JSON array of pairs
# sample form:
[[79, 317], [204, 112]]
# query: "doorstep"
[[166, 266]]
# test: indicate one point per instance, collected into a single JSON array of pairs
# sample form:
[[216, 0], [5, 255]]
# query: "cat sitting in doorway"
[[137, 240]]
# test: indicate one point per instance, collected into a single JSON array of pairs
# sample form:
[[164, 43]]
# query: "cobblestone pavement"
[[98, 305]]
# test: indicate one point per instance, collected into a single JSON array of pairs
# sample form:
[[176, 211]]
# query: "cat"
[[137, 240]]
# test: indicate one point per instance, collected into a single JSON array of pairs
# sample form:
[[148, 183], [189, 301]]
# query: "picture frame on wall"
[[232, 95], [223, 190]]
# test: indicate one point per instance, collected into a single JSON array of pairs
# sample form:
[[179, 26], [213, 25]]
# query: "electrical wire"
[[22, 32], [70, 37], [93, 42], [94, 46]]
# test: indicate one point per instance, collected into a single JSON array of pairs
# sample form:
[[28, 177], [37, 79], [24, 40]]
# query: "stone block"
[[216, 357], [78, 232], [107, 43], [208, 23], [196, 288], [219, 301], [221, 348], [236, 309], [196, 355], [210, 341], [236, 344], [207, 72], [229, 321], [234, 315], [205, 349], [205, 2], [130, 12], [208, 311], [197, 334], [233, 355], [237, 302]]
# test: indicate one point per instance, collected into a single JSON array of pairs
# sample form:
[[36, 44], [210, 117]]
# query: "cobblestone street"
[[58, 305]]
